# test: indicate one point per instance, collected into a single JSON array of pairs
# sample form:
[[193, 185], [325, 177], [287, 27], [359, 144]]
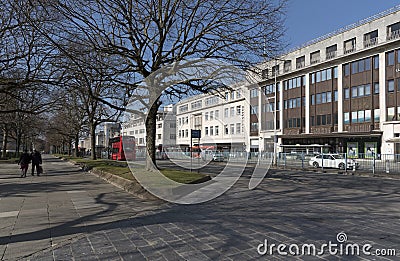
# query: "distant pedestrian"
[[24, 161], [36, 162]]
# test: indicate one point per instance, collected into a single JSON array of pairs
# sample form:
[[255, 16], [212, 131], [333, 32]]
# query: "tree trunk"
[[93, 141], [5, 141], [151, 137], [76, 140]]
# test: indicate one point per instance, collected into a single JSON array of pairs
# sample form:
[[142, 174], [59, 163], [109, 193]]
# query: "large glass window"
[[361, 90], [328, 97], [354, 117], [391, 86], [347, 69], [390, 58], [346, 118], [361, 116], [376, 61], [354, 92], [367, 89], [377, 115], [347, 93], [367, 115], [376, 88], [390, 114]]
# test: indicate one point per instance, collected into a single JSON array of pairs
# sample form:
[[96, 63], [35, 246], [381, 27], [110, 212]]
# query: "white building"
[[165, 130], [224, 122]]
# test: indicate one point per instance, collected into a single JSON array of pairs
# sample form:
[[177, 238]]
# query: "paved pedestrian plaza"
[[68, 214]]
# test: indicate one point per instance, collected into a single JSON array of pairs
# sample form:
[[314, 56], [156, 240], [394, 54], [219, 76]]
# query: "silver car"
[[333, 161]]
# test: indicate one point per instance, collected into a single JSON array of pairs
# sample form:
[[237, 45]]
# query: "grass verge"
[[120, 168]]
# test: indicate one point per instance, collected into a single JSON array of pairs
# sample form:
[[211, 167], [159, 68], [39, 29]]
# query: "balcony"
[[393, 35], [300, 65], [370, 42], [314, 60], [331, 55], [349, 49]]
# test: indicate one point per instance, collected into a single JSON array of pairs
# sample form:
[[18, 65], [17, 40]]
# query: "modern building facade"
[[222, 119], [341, 91]]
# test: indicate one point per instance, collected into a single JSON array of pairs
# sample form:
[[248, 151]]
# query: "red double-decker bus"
[[119, 151]]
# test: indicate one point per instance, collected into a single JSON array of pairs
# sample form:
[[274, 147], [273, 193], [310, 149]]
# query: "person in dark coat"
[[36, 161], [24, 161]]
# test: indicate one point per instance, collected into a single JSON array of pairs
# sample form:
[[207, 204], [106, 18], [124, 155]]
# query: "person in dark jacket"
[[36, 161], [24, 161]]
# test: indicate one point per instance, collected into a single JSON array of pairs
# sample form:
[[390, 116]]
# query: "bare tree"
[[147, 35]]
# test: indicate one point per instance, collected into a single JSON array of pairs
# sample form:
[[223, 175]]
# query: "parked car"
[[207, 155], [218, 156], [333, 161]]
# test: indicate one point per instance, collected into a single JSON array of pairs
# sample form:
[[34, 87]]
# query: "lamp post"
[[275, 103]]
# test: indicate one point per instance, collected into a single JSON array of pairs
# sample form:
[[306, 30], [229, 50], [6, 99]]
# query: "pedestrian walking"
[[24, 161], [36, 162]]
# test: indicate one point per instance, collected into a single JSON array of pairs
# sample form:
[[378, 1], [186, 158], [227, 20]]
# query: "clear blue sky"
[[309, 19]]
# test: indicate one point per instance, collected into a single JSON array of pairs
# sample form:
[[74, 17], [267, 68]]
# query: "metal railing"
[[393, 35], [366, 163], [346, 28], [331, 55], [370, 42]]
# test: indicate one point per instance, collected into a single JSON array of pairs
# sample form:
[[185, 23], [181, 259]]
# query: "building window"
[[226, 129], [370, 39], [226, 112], [206, 116], [347, 69], [376, 88], [391, 86], [232, 95], [211, 115], [376, 61], [183, 108], [390, 114], [331, 52], [287, 66], [232, 129], [336, 96], [212, 131], [238, 94], [275, 70], [254, 109], [393, 31], [253, 93], [238, 128], [196, 105], [232, 111], [350, 46], [367, 115], [159, 136], [354, 92], [253, 126], [216, 130], [346, 117], [354, 117], [360, 116], [238, 110], [206, 131], [377, 115], [314, 57], [186, 133], [300, 62], [390, 58], [217, 114]]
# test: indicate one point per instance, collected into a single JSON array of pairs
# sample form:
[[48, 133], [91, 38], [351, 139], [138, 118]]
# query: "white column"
[[281, 107], [260, 120], [308, 103], [382, 89], [340, 98]]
